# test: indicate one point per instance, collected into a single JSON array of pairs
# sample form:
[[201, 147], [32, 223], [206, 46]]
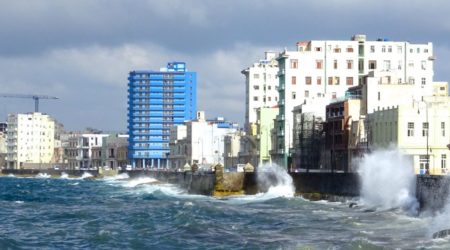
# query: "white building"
[[30, 140], [420, 129], [328, 68], [261, 86], [203, 143], [80, 150]]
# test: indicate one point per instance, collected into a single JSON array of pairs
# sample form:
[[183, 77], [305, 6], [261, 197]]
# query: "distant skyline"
[[82, 51]]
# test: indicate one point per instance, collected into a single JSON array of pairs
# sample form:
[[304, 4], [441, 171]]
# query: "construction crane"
[[34, 97]]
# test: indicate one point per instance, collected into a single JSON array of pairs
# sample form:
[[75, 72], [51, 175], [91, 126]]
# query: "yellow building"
[[420, 129]]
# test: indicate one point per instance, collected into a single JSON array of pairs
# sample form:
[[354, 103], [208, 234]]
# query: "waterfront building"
[[419, 129], [203, 144], [261, 87], [232, 149], [84, 150], [3, 126], [114, 152], [178, 147], [265, 123], [158, 100], [30, 140], [339, 118], [328, 68]]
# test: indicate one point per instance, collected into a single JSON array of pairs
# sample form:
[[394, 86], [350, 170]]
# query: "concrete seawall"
[[52, 172]]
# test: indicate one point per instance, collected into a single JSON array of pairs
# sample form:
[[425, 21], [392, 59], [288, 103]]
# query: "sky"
[[82, 51]]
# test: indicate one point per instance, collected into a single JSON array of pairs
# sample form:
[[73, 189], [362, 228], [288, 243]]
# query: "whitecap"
[[43, 176]]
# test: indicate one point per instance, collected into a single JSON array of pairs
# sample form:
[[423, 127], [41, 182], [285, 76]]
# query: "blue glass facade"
[[158, 100]]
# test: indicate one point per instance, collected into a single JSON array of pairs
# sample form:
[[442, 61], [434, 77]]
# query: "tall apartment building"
[[326, 69], [158, 100], [30, 140], [261, 87]]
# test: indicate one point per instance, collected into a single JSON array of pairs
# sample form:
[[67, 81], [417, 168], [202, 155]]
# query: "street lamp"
[[427, 166]]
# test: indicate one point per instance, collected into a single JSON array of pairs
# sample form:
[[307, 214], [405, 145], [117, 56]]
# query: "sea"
[[142, 213]]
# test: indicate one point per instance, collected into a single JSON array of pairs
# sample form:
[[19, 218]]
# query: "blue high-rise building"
[[158, 100]]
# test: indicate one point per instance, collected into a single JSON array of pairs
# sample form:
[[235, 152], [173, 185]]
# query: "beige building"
[[420, 129], [30, 140]]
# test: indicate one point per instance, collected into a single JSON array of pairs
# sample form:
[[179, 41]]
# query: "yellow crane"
[[34, 97]]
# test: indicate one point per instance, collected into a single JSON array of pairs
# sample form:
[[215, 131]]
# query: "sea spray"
[[275, 181], [388, 180], [86, 175], [43, 175], [64, 175]]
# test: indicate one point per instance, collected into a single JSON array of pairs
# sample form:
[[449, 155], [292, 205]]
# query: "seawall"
[[431, 191]]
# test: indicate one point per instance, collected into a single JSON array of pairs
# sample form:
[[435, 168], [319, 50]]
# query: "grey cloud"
[[83, 50]]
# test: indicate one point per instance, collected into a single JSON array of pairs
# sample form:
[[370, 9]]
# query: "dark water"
[[38, 213]]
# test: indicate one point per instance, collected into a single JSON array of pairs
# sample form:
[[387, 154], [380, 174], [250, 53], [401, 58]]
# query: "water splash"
[[275, 181], [121, 176], [388, 180], [86, 175], [64, 175], [140, 181], [43, 176]]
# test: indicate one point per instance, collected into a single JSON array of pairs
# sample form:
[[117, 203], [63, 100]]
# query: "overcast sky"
[[82, 50]]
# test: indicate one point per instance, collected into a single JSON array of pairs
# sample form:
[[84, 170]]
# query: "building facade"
[[84, 151], [30, 140], [419, 129], [328, 68], [261, 87], [158, 100]]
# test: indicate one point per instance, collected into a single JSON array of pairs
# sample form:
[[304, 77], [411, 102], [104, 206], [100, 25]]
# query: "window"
[[418, 50], [425, 51], [256, 87], [294, 63], [333, 95], [349, 64], [387, 65], [335, 64], [350, 49], [256, 76], [411, 64], [318, 49], [269, 87], [410, 129], [372, 49], [294, 80], [399, 65], [379, 96], [269, 98], [306, 93], [399, 49], [255, 98], [443, 128], [425, 129], [319, 64], [349, 81], [294, 95], [383, 49], [444, 164], [424, 81], [337, 50], [319, 80], [424, 65], [330, 80], [390, 49], [308, 80], [411, 80], [372, 64]]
